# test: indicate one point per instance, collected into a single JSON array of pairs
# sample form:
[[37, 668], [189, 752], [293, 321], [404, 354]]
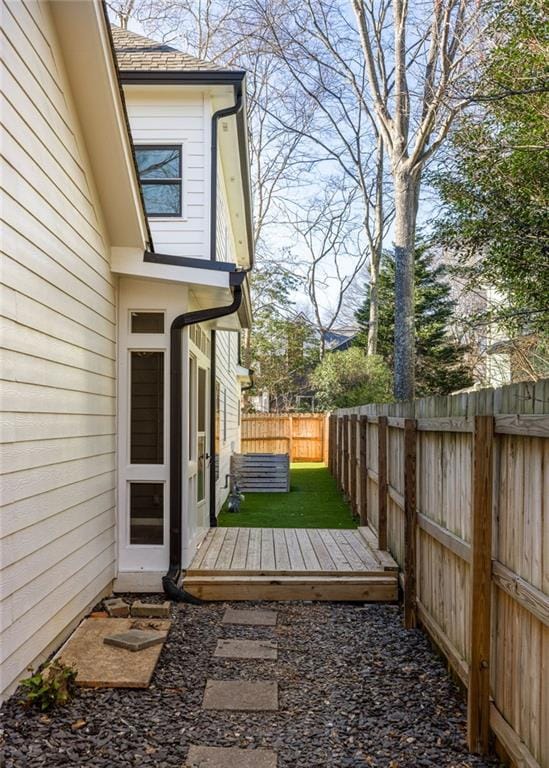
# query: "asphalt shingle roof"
[[136, 53]]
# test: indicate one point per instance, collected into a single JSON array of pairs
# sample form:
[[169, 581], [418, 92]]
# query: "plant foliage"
[[495, 186], [53, 686], [350, 378], [440, 365]]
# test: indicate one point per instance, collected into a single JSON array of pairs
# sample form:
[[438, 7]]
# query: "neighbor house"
[[126, 242]]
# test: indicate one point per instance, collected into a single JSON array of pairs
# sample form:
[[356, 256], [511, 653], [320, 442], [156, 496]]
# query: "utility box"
[[261, 472]]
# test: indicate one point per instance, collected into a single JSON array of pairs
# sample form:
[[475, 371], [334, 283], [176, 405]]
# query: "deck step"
[[373, 588]]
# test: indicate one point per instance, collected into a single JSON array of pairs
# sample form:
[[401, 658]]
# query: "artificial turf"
[[313, 502]]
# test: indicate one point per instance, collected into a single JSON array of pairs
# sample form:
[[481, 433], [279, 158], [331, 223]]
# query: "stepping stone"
[[246, 649], [257, 618], [135, 639], [151, 610], [230, 757], [117, 608], [240, 695]]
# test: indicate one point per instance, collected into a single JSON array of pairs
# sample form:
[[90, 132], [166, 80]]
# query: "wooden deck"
[[291, 564]]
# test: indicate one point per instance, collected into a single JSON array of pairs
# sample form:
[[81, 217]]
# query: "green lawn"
[[313, 502]]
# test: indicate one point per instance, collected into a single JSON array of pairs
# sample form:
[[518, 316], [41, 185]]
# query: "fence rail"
[[303, 436], [457, 490]]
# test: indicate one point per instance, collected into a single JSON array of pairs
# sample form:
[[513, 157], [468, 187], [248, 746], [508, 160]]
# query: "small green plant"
[[53, 686]]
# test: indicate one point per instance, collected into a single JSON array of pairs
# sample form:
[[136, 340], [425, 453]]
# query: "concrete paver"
[[230, 757], [241, 695], [246, 649], [254, 618]]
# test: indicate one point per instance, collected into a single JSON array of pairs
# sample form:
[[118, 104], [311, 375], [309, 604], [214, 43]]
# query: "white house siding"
[[176, 116], [229, 423], [58, 333]]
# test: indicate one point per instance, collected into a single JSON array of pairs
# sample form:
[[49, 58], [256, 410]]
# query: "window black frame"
[[173, 182]]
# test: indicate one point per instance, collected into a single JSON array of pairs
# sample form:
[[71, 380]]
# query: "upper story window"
[[160, 175]]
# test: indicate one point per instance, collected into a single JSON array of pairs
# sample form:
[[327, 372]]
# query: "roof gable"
[[136, 53]]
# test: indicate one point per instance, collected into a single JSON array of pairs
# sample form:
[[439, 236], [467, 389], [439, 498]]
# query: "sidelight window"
[[147, 408], [147, 514]]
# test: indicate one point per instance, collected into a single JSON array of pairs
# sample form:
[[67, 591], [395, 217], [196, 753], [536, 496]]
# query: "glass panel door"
[[201, 435]]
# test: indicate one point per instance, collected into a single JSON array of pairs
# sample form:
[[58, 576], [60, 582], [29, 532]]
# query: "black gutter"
[[169, 582], [182, 76]]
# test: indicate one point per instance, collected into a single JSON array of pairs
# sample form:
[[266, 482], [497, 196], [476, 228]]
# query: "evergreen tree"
[[440, 363], [495, 184]]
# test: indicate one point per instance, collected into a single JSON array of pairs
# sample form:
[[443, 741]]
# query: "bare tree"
[[325, 80], [122, 11], [331, 251], [390, 82], [417, 63], [218, 31]]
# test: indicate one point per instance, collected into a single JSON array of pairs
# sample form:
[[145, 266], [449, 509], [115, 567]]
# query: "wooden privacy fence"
[[457, 489], [303, 436]]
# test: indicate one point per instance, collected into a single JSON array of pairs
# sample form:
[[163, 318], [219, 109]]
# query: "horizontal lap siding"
[[226, 375], [58, 364], [180, 119]]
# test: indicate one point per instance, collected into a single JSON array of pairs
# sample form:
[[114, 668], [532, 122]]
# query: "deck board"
[[217, 536], [241, 549], [253, 560], [297, 563], [268, 562], [289, 564], [307, 550], [282, 558], [324, 558]]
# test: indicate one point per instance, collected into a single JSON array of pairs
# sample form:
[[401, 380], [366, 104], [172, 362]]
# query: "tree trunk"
[[406, 196], [376, 247], [322, 344], [374, 309]]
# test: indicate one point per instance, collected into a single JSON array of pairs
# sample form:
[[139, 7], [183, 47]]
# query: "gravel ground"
[[355, 689]]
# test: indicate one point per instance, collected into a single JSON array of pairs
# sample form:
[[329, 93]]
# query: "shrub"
[[53, 686], [350, 378]]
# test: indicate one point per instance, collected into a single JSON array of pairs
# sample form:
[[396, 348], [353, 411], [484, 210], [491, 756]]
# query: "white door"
[[146, 311], [197, 517]]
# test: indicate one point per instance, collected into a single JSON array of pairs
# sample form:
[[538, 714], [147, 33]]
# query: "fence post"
[[346, 456], [352, 465], [382, 487], [331, 454], [340, 453], [478, 694], [291, 436], [410, 530], [363, 513]]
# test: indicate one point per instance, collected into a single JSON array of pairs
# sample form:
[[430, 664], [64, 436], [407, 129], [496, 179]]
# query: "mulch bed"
[[355, 689]]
